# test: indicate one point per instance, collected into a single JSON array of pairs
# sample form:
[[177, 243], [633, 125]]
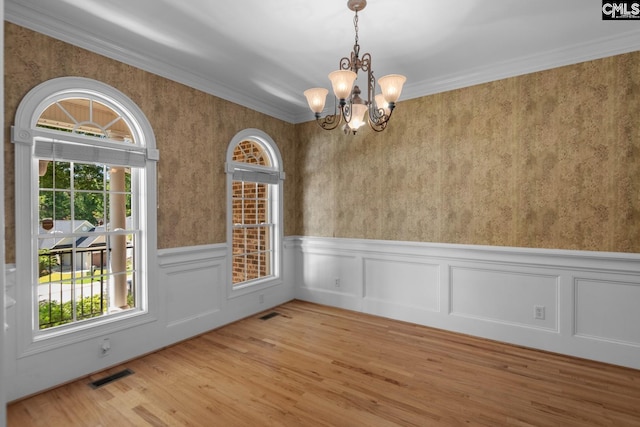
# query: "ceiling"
[[264, 54]]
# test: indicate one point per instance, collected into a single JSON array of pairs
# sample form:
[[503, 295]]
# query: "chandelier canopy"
[[375, 110]]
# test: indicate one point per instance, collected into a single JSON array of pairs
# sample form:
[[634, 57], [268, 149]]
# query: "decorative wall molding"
[[192, 299], [195, 282], [588, 299], [182, 257], [608, 310]]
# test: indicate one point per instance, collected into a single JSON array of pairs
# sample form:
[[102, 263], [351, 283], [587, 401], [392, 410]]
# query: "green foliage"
[[46, 262], [90, 185], [52, 313]]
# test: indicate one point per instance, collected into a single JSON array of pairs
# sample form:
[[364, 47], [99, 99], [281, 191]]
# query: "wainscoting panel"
[[333, 273], [505, 296], [194, 282], [579, 303], [608, 310], [194, 292], [401, 282]]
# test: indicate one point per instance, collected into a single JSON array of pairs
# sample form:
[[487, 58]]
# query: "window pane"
[[87, 117], [88, 210], [251, 240], [251, 152], [45, 211], [263, 233], [236, 188], [265, 263], [252, 266], [61, 175], [238, 269], [239, 246], [62, 210], [45, 173], [236, 207], [249, 190], [88, 176]]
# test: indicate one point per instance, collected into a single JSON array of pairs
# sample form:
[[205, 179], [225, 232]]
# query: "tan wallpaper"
[[192, 132], [546, 160]]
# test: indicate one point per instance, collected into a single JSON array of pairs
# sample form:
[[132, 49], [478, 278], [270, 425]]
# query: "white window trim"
[[274, 172], [24, 133]]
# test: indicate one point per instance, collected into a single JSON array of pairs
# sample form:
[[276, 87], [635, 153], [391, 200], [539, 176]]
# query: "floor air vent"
[[270, 315], [111, 378]]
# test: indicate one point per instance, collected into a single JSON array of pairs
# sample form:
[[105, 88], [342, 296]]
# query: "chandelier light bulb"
[[358, 112], [342, 82], [316, 97], [391, 86]]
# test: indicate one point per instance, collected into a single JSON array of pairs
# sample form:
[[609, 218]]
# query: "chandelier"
[[350, 107]]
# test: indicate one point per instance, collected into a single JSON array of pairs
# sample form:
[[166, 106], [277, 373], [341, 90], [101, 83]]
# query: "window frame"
[[24, 135], [276, 174]]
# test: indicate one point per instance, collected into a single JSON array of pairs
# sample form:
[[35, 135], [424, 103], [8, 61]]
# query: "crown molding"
[[34, 20], [597, 49], [601, 48]]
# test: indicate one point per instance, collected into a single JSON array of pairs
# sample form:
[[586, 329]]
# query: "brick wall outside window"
[[252, 227]]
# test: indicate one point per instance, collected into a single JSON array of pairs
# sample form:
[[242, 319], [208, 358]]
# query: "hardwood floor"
[[313, 365]]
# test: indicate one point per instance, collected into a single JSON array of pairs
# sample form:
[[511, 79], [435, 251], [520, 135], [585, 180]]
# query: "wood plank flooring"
[[313, 365]]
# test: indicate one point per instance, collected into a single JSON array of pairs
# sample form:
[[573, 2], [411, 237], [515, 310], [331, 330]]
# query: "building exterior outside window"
[[254, 209]]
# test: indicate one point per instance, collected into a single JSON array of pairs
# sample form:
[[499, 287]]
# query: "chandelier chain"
[[355, 25]]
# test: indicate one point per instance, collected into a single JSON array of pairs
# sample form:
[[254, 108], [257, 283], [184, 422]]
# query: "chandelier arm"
[[371, 81], [329, 122], [375, 114], [345, 64], [346, 112], [378, 127], [381, 121], [365, 63]]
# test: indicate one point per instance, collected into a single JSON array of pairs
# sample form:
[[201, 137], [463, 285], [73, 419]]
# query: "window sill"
[[54, 338], [254, 286]]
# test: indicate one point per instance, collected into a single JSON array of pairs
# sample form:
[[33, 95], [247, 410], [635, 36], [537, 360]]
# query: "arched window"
[[85, 206], [254, 225]]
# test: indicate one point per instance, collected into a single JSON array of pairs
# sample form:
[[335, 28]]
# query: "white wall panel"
[[407, 283], [194, 292], [591, 300], [194, 282], [331, 272], [504, 296], [608, 310]]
